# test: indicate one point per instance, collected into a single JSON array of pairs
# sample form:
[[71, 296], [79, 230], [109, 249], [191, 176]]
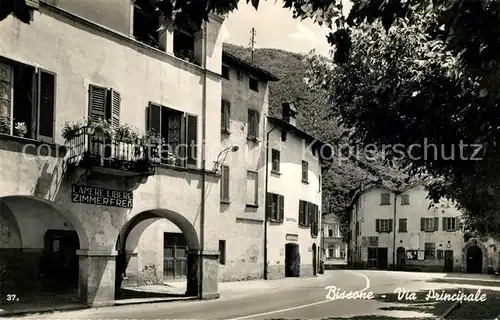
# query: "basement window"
[[146, 23], [184, 45]]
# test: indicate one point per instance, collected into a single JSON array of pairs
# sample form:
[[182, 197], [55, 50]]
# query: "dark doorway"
[[448, 261], [174, 256], [474, 260], [382, 258], [59, 265], [292, 260], [400, 259], [315, 262]]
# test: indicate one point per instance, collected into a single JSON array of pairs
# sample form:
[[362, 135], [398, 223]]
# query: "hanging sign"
[[101, 197]]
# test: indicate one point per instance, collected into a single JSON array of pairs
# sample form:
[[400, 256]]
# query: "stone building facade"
[[73, 194]]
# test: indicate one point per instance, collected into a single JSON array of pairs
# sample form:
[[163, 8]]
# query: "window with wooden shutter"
[[281, 209], [192, 139], [224, 192], [253, 124], [154, 118], [114, 105], [377, 225], [222, 252], [46, 105], [225, 116], [275, 157], [385, 199], [436, 224], [269, 205], [97, 103], [305, 171]]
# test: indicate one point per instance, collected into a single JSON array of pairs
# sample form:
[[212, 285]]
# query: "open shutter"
[[281, 209], [422, 224], [225, 177], [46, 104], [445, 224], [269, 208], [391, 225], [114, 115], [192, 139], [436, 224], [377, 225], [97, 103]]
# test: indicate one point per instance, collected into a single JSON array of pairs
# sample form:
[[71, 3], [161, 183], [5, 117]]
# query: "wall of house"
[[335, 243], [289, 184], [80, 55], [242, 226]]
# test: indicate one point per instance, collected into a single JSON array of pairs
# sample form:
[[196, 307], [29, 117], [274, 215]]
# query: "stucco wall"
[[289, 184], [241, 226]]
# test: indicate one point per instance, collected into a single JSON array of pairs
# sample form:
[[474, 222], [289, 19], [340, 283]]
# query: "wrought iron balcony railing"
[[89, 149]]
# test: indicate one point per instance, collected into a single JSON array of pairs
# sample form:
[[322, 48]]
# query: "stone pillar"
[[97, 277], [132, 269], [207, 287]]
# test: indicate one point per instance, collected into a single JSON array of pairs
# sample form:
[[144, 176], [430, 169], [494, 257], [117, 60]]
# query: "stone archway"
[[41, 227], [475, 248], [142, 221]]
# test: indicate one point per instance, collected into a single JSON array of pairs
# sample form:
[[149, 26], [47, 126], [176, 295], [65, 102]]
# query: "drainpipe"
[[203, 160], [266, 202], [394, 234]]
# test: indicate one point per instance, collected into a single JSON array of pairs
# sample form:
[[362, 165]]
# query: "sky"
[[275, 28]]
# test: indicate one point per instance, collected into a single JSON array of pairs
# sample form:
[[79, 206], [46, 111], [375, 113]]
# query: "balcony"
[[118, 152]]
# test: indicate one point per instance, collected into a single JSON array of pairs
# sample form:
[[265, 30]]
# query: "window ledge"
[[274, 221], [385, 204], [276, 173], [225, 201], [58, 150], [189, 169], [405, 204], [305, 181], [252, 205]]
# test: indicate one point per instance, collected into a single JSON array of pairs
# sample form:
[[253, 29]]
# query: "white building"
[[334, 248]]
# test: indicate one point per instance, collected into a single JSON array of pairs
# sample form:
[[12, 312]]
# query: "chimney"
[[289, 113]]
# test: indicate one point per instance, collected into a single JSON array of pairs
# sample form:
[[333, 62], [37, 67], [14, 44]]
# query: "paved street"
[[302, 298]]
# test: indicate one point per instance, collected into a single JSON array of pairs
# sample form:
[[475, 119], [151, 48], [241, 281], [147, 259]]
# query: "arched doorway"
[[175, 253], [38, 249], [292, 260], [314, 259], [474, 260], [401, 259]]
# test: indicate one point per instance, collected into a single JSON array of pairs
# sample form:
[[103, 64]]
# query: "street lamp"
[[223, 154]]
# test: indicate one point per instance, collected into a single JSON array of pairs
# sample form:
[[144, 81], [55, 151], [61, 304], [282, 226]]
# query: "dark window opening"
[[225, 72], [146, 23], [184, 45], [253, 84]]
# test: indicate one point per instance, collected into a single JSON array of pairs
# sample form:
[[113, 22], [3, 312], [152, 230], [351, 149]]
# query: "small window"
[[275, 207], [383, 225], [304, 218], [225, 72], [145, 24], [403, 225], [275, 155], [222, 252], [385, 199], [305, 171], [224, 186], [253, 84], [330, 233], [430, 251], [429, 224], [449, 224], [239, 75], [252, 189], [225, 120], [405, 199], [184, 45]]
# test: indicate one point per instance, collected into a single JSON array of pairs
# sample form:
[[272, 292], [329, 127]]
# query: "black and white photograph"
[[249, 159]]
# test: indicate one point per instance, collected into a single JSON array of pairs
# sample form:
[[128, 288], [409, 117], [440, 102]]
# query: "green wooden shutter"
[[422, 224], [114, 115], [97, 103], [46, 104], [436, 224], [281, 204], [192, 139]]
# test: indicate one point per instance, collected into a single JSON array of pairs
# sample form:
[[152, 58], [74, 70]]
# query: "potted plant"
[[101, 128], [4, 124], [171, 158], [71, 129], [124, 133], [20, 129], [153, 142]]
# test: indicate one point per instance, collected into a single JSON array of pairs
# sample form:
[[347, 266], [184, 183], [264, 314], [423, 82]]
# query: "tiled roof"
[[231, 58]]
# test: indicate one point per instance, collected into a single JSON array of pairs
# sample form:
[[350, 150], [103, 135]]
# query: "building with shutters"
[[102, 124], [334, 249], [397, 229]]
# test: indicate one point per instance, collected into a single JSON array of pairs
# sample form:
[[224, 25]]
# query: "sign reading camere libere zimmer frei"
[[102, 197]]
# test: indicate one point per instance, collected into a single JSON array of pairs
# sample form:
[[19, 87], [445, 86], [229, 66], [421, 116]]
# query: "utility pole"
[[252, 41]]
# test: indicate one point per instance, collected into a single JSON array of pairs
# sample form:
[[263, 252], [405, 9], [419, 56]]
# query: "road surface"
[[306, 299]]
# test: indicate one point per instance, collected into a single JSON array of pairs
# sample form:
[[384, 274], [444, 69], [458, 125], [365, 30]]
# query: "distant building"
[[397, 229], [334, 249]]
